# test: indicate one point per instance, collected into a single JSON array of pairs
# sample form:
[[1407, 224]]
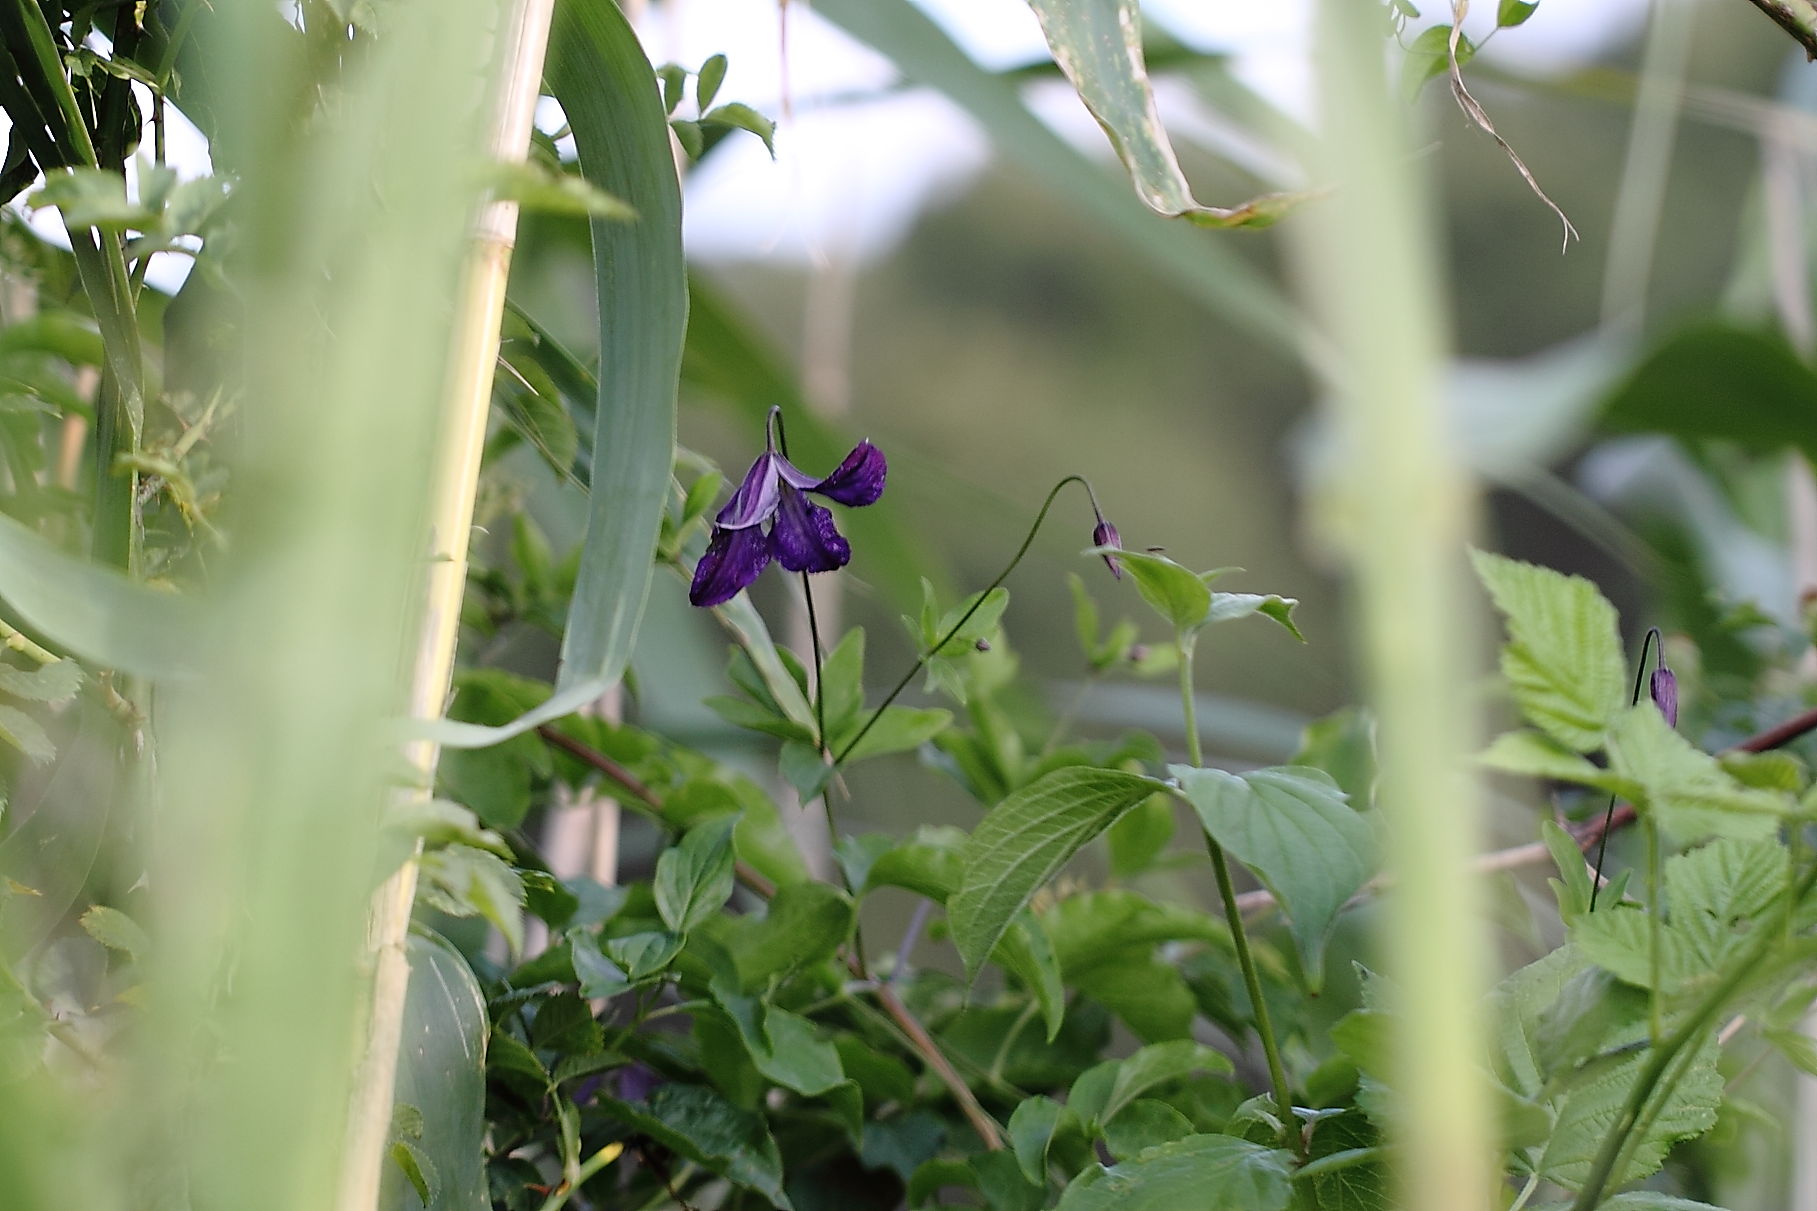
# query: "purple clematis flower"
[[770, 516]]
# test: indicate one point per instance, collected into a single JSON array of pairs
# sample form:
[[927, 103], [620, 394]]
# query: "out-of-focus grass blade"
[[1098, 44], [94, 612], [1208, 270], [442, 1075], [607, 89]]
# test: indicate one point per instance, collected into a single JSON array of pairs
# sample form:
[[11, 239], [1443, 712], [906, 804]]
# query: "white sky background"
[[850, 180]]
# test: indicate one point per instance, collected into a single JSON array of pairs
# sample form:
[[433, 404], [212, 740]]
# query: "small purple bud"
[[1138, 652], [983, 645], [1105, 535], [1664, 688]]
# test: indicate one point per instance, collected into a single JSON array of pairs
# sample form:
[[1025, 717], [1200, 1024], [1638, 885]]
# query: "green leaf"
[[1139, 838], [706, 85], [1098, 45], [1143, 1124], [1025, 840], [598, 976], [1430, 56], [25, 734], [842, 682], [1684, 788], [1639, 1200], [694, 878], [644, 955], [1294, 830], [1768, 393], [538, 187], [1228, 606], [54, 682], [806, 924], [116, 931], [417, 1169], [1537, 755], [92, 197], [463, 881], [94, 611], [1148, 994], [739, 116], [1198, 1171], [1563, 660], [929, 864], [442, 1072], [1027, 951], [985, 612], [900, 729], [1514, 12], [1103, 1092], [1033, 1125], [702, 1126], [599, 73], [1176, 592]]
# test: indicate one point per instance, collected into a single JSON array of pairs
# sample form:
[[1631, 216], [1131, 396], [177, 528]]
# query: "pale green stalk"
[[1401, 508], [276, 759]]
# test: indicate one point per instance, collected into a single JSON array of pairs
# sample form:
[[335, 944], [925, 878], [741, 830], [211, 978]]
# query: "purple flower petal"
[[804, 536], [1664, 688], [859, 479], [732, 560], [755, 500], [1105, 535]]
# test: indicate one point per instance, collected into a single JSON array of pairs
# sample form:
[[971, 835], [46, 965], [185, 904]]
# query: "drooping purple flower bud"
[[770, 517], [1664, 688], [1105, 535]]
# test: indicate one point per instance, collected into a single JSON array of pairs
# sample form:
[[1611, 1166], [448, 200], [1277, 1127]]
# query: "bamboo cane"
[[524, 37]]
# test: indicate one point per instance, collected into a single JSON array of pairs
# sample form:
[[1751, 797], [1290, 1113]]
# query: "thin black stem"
[[921, 660], [1652, 639], [820, 736]]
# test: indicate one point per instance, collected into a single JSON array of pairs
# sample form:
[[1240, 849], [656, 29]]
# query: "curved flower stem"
[[1660, 1058], [921, 661], [1640, 678], [1239, 937]]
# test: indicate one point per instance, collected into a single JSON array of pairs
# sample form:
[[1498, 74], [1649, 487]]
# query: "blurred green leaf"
[[1033, 1125], [1208, 270], [1102, 1093], [1563, 658], [92, 197], [1684, 788], [116, 931], [1511, 13], [1025, 840], [1294, 830], [442, 1072], [1198, 1171], [1143, 1124], [1430, 55], [1028, 952], [1098, 44], [535, 186], [94, 611], [1715, 381]]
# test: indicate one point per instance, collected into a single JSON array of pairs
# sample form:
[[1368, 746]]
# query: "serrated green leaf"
[[52, 682], [25, 734], [1293, 828], [1685, 789], [116, 931], [1537, 755], [739, 116], [1198, 1171], [699, 1124], [1563, 659], [1025, 840]]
